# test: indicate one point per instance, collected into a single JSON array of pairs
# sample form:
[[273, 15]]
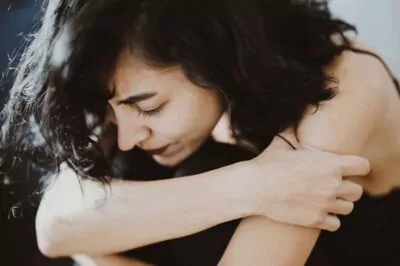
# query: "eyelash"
[[150, 113]]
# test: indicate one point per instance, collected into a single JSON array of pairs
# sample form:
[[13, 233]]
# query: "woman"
[[167, 70]]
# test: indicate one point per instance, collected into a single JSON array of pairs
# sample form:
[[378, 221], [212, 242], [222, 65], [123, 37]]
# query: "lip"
[[157, 151]]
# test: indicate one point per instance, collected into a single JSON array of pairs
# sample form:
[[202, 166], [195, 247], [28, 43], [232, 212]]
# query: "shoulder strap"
[[287, 141]]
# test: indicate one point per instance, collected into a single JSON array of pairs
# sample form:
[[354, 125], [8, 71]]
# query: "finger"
[[350, 165], [349, 191], [330, 223], [341, 207]]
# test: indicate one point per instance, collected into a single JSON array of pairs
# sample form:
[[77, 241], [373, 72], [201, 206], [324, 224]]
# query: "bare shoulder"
[[345, 123], [358, 67]]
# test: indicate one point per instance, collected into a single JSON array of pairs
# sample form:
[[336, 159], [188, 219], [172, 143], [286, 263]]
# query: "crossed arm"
[[343, 125], [261, 241]]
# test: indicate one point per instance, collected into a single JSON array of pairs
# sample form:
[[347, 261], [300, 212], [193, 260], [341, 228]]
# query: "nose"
[[131, 133]]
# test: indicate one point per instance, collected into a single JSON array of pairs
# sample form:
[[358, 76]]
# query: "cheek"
[[174, 124], [190, 119]]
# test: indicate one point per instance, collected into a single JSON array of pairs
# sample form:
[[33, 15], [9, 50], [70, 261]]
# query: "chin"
[[170, 161], [177, 158]]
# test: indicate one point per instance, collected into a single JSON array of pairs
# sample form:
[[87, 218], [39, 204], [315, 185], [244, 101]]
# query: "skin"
[[193, 112], [360, 120], [253, 231], [368, 105], [369, 131]]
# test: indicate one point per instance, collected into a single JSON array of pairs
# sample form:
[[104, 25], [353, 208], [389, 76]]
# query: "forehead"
[[132, 75]]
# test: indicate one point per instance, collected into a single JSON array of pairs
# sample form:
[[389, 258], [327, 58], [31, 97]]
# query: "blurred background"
[[378, 23], [17, 232]]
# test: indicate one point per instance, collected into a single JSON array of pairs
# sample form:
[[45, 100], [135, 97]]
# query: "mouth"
[[158, 151]]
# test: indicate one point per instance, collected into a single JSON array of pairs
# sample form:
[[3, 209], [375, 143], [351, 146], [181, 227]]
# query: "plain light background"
[[378, 24]]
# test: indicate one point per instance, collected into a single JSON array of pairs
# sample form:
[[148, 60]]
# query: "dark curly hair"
[[265, 56]]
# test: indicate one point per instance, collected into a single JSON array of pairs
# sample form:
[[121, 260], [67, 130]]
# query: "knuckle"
[[335, 182], [329, 194], [325, 204], [336, 170], [318, 219]]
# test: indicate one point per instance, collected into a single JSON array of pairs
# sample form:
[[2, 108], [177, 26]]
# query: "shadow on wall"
[[18, 245]]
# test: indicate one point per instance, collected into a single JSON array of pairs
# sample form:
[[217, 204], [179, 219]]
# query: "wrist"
[[256, 184], [245, 189], [227, 192]]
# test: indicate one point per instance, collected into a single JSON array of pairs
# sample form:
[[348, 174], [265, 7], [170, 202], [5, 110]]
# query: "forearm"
[[261, 241], [135, 214], [111, 260]]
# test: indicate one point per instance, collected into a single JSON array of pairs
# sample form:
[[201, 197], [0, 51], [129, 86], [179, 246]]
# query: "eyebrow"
[[137, 98]]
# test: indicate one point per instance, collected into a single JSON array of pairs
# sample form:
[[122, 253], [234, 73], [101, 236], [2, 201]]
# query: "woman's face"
[[161, 111]]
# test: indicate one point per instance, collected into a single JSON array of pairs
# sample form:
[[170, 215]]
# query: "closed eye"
[[151, 112]]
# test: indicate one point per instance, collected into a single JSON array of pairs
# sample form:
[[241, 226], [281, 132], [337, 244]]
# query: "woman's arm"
[[135, 214], [139, 213], [343, 125], [110, 260]]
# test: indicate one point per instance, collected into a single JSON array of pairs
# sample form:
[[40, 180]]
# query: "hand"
[[305, 187]]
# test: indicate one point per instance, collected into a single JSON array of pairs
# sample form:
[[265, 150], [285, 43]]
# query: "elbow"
[[47, 236], [47, 248]]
